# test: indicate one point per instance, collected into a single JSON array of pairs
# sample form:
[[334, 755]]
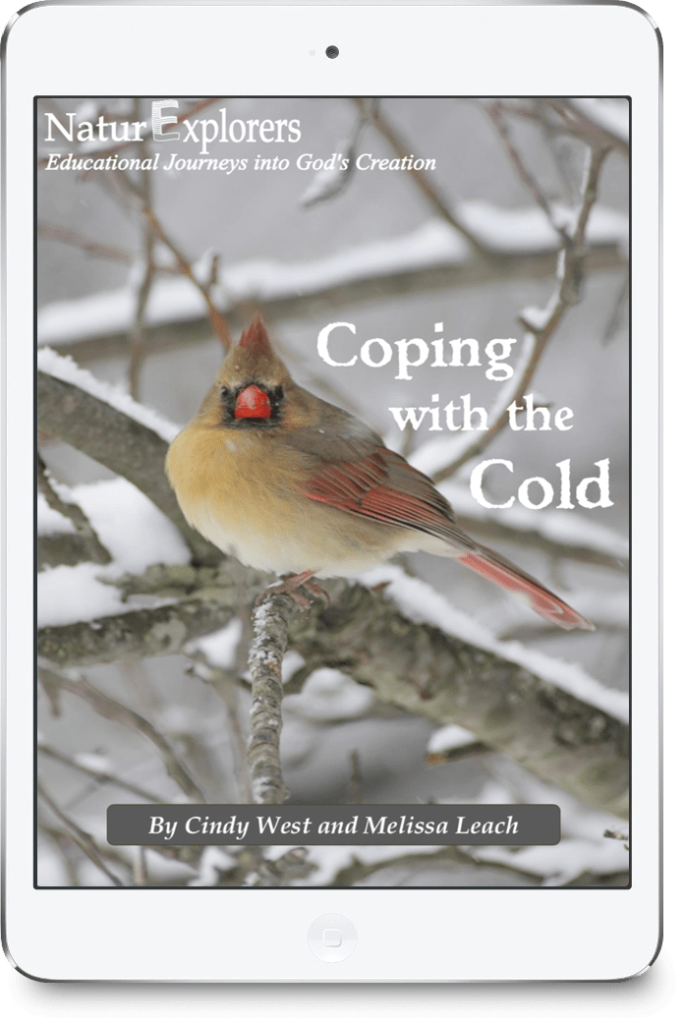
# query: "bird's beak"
[[253, 403]]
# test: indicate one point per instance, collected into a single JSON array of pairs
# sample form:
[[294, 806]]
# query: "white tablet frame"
[[260, 934]]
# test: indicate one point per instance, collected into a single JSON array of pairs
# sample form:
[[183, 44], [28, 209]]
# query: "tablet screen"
[[332, 492]]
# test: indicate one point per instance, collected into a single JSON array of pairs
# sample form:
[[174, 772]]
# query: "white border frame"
[[260, 935]]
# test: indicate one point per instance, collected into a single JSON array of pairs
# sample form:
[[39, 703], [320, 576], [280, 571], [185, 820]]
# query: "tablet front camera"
[[332, 52]]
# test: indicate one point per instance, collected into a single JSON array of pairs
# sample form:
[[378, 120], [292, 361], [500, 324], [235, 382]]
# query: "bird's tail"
[[499, 570]]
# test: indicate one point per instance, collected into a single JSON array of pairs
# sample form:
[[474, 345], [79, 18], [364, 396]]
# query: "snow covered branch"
[[435, 257], [90, 546], [543, 713], [142, 633], [122, 444], [511, 708], [271, 617]]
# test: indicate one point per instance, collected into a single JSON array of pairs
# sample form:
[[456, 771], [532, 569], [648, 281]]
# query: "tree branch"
[[118, 442], [94, 549], [420, 669], [117, 712], [448, 856], [325, 299], [571, 270], [62, 549], [271, 617], [83, 840], [144, 633], [423, 670], [98, 776], [425, 184]]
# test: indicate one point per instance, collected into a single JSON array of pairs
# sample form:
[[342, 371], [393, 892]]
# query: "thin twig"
[[326, 185], [426, 185], [116, 712], [216, 318], [617, 315], [96, 550], [140, 873], [98, 776], [271, 617], [56, 233], [527, 178], [65, 845], [558, 118], [356, 780], [227, 684], [594, 134], [537, 336], [144, 288], [82, 839]]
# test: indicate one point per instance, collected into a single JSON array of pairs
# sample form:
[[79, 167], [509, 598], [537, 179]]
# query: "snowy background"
[[272, 244]]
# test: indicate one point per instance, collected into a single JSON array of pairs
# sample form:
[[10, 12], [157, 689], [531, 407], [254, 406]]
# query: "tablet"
[[332, 565]]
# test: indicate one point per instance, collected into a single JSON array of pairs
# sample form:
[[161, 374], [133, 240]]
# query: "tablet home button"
[[332, 938]]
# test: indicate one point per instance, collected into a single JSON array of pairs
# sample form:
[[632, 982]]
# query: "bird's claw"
[[292, 585]]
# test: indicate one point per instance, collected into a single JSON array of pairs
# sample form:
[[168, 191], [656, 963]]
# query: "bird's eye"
[[224, 391], [278, 393]]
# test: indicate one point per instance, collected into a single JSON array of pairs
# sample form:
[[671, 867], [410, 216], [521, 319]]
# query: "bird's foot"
[[292, 585]]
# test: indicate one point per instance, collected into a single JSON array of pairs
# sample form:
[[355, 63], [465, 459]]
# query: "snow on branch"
[[114, 430], [549, 716], [420, 654], [131, 635], [433, 257], [56, 499], [64, 368]]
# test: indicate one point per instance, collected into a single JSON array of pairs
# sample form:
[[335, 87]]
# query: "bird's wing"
[[353, 471], [356, 473], [381, 485]]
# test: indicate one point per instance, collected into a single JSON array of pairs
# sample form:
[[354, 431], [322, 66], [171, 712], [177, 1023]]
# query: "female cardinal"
[[293, 485]]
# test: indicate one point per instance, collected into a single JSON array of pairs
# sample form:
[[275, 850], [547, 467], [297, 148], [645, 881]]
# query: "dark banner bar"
[[324, 825]]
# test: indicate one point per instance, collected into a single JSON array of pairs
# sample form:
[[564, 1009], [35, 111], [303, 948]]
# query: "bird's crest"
[[253, 361], [255, 338]]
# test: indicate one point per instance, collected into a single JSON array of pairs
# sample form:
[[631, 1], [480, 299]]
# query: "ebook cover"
[[332, 492]]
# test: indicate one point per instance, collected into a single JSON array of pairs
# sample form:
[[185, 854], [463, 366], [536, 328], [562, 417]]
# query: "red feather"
[[508, 576], [382, 486], [364, 488]]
